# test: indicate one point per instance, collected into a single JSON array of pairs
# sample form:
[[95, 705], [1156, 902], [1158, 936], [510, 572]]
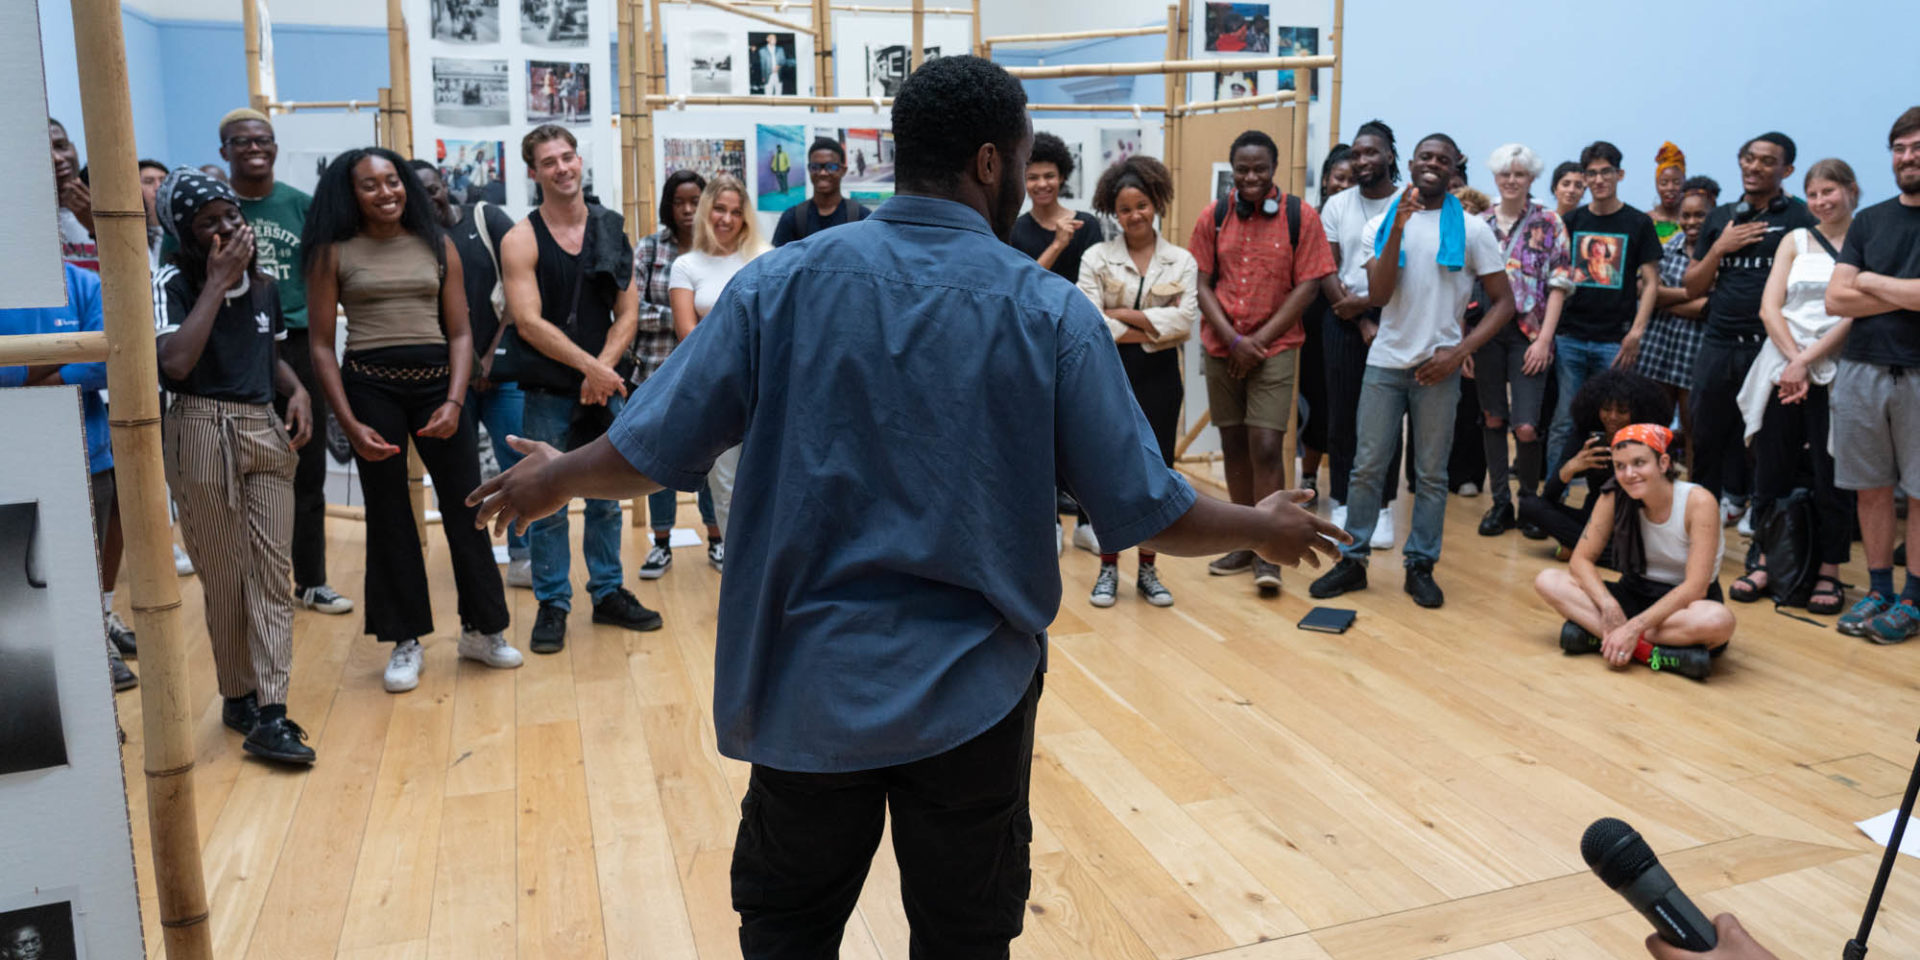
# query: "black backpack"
[[1222, 203], [1786, 537], [802, 228]]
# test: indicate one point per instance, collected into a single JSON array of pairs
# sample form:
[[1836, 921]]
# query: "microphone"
[[1624, 862]]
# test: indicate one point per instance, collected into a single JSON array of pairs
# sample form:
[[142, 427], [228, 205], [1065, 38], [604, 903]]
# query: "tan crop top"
[[391, 291]]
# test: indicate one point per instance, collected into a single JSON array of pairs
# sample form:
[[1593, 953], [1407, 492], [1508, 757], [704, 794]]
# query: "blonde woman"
[[726, 235], [1149, 291]]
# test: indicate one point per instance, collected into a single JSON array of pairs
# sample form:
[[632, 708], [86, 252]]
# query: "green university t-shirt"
[[277, 220]]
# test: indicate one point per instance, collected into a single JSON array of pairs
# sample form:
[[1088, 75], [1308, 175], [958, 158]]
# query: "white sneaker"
[[659, 561], [182, 564], [403, 666], [1084, 539], [1383, 530], [1469, 489], [520, 572], [1059, 538], [324, 599], [1745, 528], [491, 649], [1339, 516]]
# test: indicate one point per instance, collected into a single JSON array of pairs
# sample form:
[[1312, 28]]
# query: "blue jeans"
[[662, 509], [1573, 362], [1387, 395], [561, 420], [501, 409]]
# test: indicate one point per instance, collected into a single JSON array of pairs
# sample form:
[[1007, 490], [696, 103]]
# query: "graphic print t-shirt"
[[1608, 252], [240, 356], [1733, 308], [277, 220]]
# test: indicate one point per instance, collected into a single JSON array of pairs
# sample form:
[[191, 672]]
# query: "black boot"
[[1499, 519], [1348, 574], [1574, 638], [1421, 587]]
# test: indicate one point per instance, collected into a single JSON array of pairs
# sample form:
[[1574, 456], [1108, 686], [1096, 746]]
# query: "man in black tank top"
[[568, 270]]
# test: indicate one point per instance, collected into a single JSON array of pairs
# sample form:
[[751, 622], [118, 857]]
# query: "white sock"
[[106, 601]]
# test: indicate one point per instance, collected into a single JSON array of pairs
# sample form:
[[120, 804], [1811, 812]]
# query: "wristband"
[[458, 403], [1236, 342]]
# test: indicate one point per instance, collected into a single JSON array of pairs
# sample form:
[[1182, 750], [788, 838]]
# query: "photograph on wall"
[[470, 93], [869, 151], [1238, 28], [888, 66], [772, 68], [1222, 180], [557, 92], [31, 734], [705, 156], [1117, 145], [780, 162], [1297, 42], [466, 21], [473, 170], [585, 150], [40, 932], [1070, 190], [1236, 83], [554, 23], [710, 56]]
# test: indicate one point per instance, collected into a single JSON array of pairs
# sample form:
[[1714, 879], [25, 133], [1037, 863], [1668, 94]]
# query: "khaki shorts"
[[1264, 398]]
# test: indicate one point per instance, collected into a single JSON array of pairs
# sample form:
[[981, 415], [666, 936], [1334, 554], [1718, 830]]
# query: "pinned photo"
[[470, 93], [1238, 28], [780, 161], [558, 92], [472, 170], [43, 932], [710, 57], [706, 156], [772, 69], [465, 21], [554, 23]]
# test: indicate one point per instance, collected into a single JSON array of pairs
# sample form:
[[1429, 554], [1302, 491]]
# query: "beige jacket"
[[1169, 295]]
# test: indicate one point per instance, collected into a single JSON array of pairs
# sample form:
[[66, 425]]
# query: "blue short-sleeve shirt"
[[906, 391]]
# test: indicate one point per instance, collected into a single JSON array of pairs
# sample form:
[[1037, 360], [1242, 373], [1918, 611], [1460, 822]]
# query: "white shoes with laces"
[[403, 666], [491, 649]]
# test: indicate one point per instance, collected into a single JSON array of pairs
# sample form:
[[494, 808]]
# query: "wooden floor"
[[1208, 781]]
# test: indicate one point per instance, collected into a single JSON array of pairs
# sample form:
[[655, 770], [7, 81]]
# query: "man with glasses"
[[1732, 258], [1615, 272], [826, 167]]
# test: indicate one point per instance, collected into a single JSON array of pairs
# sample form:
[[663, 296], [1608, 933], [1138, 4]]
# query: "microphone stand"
[[1856, 949]]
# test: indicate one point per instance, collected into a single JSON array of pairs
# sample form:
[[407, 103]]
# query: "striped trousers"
[[230, 467]]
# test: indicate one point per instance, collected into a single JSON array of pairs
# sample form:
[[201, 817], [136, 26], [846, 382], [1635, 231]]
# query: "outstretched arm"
[[1278, 529], [546, 480]]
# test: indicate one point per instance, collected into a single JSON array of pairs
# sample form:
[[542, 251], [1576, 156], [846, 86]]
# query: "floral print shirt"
[[1538, 258]]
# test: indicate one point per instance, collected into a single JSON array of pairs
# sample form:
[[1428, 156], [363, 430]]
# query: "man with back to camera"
[[826, 167], [1876, 389], [1733, 257], [568, 270], [876, 653], [1422, 256]]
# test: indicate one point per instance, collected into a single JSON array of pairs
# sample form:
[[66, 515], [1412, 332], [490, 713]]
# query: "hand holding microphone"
[[1735, 944], [1624, 862]]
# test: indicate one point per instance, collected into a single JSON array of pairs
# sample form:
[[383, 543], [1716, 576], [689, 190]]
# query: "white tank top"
[[1666, 542]]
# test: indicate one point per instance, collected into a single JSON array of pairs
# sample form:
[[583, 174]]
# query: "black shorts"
[[1636, 594]]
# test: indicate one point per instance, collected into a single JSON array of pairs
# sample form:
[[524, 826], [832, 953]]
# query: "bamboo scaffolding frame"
[[250, 28], [133, 378], [1260, 100], [979, 46], [1302, 112], [290, 106], [861, 8], [52, 349], [917, 53], [740, 11], [1168, 66], [992, 42], [823, 81], [1174, 89], [629, 117], [1335, 45], [758, 100]]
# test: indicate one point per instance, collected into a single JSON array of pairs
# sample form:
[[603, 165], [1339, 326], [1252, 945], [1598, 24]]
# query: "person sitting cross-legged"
[[1666, 609]]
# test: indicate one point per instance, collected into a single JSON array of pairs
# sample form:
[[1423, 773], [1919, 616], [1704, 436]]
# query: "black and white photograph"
[[554, 23], [772, 69], [466, 21], [470, 93], [710, 57], [43, 932], [888, 66], [31, 734], [557, 92]]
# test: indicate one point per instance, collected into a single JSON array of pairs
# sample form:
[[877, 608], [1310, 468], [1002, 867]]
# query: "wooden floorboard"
[[1208, 781]]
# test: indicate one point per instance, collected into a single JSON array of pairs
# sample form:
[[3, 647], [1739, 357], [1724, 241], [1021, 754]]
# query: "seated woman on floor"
[[1665, 610], [1607, 402]]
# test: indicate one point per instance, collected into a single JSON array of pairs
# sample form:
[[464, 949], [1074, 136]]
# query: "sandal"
[[1745, 589], [1829, 597]]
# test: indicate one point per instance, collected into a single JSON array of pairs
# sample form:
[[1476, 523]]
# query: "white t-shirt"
[[1429, 301], [706, 275], [1345, 218]]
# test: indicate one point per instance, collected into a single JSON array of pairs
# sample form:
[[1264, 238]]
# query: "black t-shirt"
[[1885, 239], [555, 272], [1032, 239], [239, 359], [1608, 252], [1733, 309], [477, 270], [788, 229]]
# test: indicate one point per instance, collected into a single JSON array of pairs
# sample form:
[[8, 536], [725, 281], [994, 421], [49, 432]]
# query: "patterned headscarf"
[[1669, 156], [182, 195], [1651, 434]]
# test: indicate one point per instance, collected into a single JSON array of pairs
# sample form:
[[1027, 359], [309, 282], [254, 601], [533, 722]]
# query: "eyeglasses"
[[242, 143], [1602, 174], [825, 167]]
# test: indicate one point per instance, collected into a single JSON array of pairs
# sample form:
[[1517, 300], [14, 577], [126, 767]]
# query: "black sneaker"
[[623, 609], [1532, 531], [659, 561], [279, 739], [1574, 638], [549, 629], [240, 714], [1421, 587], [1694, 663], [1266, 576], [1499, 519], [123, 678], [1348, 574], [122, 637], [717, 555]]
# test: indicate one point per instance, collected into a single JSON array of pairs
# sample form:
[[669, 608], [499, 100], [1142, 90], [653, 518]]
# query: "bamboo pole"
[[1336, 45], [636, 137], [1262, 100], [1193, 433], [858, 8], [250, 26], [1169, 137], [738, 10], [1074, 35], [290, 106], [399, 82], [735, 100], [1302, 98], [630, 110], [919, 51], [659, 51], [1169, 66], [52, 349], [120, 226], [823, 80], [1096, 107], [980, 47]]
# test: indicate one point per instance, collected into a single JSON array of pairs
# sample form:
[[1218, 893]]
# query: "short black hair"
[[1600, 150], [672, 186], [945, 111], [1906, 124], [423, 166], [1566, 167], [830, 145], [151, 164], [1048, 148], [1141, 172], [1256, 138], [1787, 150], [1443, 138], [1461, 168], [1703, 185]]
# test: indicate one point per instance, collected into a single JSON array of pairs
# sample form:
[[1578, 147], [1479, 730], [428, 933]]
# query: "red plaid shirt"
[[1254, 269]]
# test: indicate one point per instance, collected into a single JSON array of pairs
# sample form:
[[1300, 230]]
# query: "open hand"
[[1292, 534], [368, 444], [1629, 351], [444, 422], [520, 494], [1539, 357], [1739, 235], [229, 260], [1064, 230]]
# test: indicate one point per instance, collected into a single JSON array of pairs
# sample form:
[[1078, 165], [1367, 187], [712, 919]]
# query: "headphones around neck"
[[1744, 211], [1244, 210]]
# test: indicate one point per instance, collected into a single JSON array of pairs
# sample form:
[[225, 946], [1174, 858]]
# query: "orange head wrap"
[[1669, 156], [1651, 434]]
